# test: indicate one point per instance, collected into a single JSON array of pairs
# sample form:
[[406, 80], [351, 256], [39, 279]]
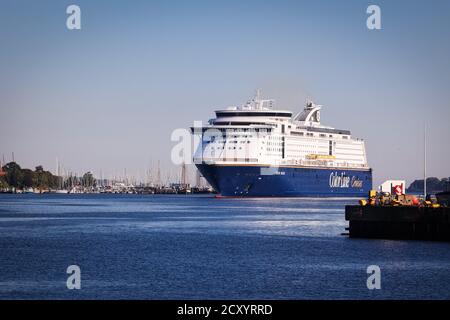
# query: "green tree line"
[[15, 177]]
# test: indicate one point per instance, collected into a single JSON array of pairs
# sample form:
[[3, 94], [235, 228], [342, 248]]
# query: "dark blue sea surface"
[[199, 247]]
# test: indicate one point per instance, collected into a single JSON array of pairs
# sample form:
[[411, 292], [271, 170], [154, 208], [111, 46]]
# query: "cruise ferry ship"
[[255, 150]]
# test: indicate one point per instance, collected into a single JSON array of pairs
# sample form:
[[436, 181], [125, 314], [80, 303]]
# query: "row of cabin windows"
[[235, 141], [227, 141], [212, 148], [229, 148], [243, 130], [310, 134], [243, 136]]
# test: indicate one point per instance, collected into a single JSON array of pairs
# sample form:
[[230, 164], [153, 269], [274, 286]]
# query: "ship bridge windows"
[[241, 123], [253, 114]]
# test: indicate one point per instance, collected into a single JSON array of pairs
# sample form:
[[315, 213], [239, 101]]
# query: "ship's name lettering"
[[356, 183], [339, 180]]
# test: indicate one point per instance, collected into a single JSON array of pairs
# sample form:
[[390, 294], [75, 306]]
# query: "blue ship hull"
[[287, 181]]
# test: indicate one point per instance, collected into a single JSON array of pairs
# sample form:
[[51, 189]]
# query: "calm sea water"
[[197, 247]]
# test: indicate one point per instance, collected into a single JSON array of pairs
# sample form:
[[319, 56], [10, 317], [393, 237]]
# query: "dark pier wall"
[[389, 222]]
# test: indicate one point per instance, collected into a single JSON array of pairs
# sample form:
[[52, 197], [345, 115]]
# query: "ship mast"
[[183, 174], [425, 161]]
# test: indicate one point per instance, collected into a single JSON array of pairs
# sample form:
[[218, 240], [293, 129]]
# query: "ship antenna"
[[257, 99], [258, 94]]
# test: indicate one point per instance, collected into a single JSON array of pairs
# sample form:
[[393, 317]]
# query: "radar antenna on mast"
[[258, 103]]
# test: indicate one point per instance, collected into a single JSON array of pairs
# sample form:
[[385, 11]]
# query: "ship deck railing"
[[308, 163]]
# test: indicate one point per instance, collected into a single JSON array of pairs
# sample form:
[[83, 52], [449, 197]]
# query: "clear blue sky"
[[109, 95]]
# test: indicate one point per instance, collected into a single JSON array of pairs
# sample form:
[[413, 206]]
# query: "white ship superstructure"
[[255, 133]]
